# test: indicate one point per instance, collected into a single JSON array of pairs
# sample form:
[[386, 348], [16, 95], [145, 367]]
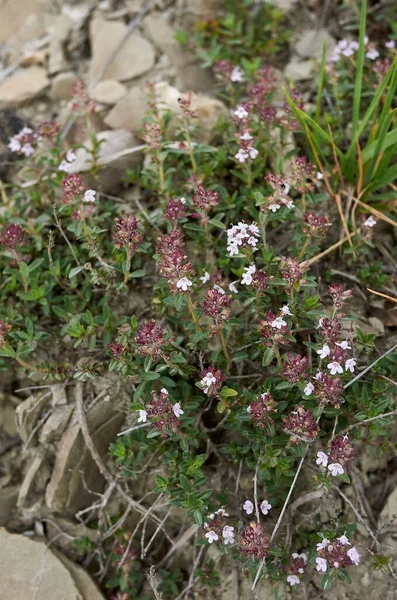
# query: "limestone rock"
[[61, 86], [163, 36], [311, 42], [131, 110], [109, 91], [14, 13], [299, 70], [60, 31], [31, 570], [136, 57], [389, 511], [23, 85]]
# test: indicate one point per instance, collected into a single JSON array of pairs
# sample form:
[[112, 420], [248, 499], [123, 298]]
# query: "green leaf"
[[150, 376], [226, 392], [24, 270], [185, 483], [185, 445], [139, 273], [359, 70], [321, 82], [75, 271], [7, 351], [126, 266], [268, 356]]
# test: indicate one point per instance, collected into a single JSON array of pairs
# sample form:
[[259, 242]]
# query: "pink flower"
[[248, 507], [322, 459], [211, 537], [336, 469], [354, 555], [265, 507], [321, 564]]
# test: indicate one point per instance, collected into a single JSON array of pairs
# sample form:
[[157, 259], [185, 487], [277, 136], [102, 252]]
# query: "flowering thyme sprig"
[[162, 413]]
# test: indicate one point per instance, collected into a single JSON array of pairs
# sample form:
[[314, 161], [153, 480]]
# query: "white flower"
[[302, 556], [309, 389], [372, 54], [321, 564], [27, 149], [278, 323], [176, 409], [241, 155], [319, 175], [207, 381], [390, 44], [64, 166], [319, 375], [323, 544], [350, 364], [265, 507], [232, 287], [289, 204], [286, 311], [211, 537], [343, 540], [248, 506], [366, 40], [228, 534], [164, 391], [249, 409], [322, 459], [274, 207], [142, 416], [222, 512], [236, 75], [219, 289], [246, 136], [324, 351], [183, 284], [320, 323], [354, 555], [344, 345], [293, 579], [71, 156], [253, 152], [335, 368], [247, 275], [15, 144], [89, 196], [211, 516], [336, 469], [182, 200], [206, 277], [241, 234], [370, 222], [240, 112]]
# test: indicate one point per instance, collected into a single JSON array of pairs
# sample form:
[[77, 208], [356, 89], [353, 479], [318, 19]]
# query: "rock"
[[109, 91], [136, 57], [194, 78], [23, 85], [131, 110], [73, 462], [61, 86], [299, 70], [14, 13], [284, 5], [311, 42], [113, 151], [33, 28], [163, 36], [31, 570], [389, 511], [60, 31]]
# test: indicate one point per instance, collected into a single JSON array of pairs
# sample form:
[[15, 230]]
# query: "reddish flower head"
[[116, 349], [302, 423], [205, 199], [126, 233], [73, 187], [217, 305], [254, 541], [316, 225], [150, 338], [341, 451], [261, 409], [14, 235], [4, 330], [295, 367]]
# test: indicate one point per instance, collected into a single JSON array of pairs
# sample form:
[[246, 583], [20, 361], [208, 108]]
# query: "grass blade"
[[360, 67], [321, 82]]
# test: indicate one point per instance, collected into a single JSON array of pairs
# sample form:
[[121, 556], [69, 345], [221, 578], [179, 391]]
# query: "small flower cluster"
[[261, 409], [339, 296], [226, 72], [117, 350], [152, 137], [14, 235], [211, 380], [216, 304], [242, 236], [5, 328], [150, 339], [302, 424], [254, 541], [173, 262], [74, 188], [258, 279], [303, 174], [340, 455], [25, 142], [66, 164], [293, 272], [336, 554], [126, 233], [349, 48], [295, 367], [246, 141], [163, 414], [175, 210], [296, 568], [274, 329], [204, 200], [315, 225], [327, 389], [248, 507], [81, 102], [216, 528], [279, 197]]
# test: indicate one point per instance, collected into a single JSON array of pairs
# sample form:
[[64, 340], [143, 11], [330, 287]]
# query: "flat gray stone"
[[311, 42], [109, 91], [136, 57], [299, 70], [22, 86]]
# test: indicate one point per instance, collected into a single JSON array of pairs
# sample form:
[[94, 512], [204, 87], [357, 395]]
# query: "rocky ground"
[[48, 477]]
